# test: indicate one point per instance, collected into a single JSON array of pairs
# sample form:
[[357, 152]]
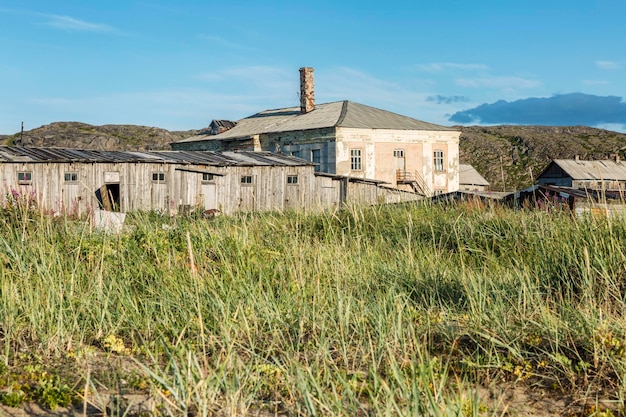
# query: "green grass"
[[380, 311]]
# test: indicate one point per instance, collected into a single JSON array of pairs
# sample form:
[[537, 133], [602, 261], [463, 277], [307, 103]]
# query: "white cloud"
[[255, 81], [72, 24], [220, 41], [595, 82], [615, 127], [409, 98], [446, 66], [254, 74], [608, 65], [506, 83]]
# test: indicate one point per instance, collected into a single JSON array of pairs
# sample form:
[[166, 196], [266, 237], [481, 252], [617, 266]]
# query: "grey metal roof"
[[469, 175], [64, 155], [336, 114], [607, 170]]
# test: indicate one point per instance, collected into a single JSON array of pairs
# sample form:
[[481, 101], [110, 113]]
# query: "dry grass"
[[410, 310]]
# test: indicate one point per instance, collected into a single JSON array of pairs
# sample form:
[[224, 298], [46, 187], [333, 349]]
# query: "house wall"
[[554, 175], [180, 189], [473, 187], [584, 207], [303, 143], [597, 184], [378, 147]]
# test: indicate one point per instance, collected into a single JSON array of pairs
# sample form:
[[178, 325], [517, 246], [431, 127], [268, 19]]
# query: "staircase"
[[415, 180]]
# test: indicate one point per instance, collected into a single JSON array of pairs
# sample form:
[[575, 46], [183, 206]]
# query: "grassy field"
[[394, 311]]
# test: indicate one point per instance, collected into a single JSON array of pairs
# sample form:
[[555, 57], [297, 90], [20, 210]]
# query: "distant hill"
[[512, 152], [106, 137]]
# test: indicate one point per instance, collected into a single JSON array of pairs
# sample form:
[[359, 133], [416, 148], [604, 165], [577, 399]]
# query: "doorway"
[[108, 197]]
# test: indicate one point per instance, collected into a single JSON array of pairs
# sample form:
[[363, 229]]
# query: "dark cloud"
[[558, 110], [439, 99]]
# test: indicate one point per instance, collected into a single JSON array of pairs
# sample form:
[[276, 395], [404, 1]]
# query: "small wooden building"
[[78, 181], [471, 180], [592, 175], [579, 201], [81, 181]]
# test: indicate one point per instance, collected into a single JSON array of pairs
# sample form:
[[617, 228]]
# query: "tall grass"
[[381, 310]]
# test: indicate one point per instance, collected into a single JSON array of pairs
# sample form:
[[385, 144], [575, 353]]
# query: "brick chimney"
[[307, 90]]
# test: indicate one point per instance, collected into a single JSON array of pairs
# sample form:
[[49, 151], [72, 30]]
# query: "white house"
[[349, 139]]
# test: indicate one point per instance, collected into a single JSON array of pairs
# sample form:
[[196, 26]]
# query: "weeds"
[[383, 310]]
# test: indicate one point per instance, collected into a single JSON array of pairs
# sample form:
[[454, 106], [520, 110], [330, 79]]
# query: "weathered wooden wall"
[[183, 188]]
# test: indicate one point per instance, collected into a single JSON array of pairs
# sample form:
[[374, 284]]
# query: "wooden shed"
[[79, 182]]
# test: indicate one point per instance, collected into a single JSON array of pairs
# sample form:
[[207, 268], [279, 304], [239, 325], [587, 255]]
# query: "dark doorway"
[[109, 197]]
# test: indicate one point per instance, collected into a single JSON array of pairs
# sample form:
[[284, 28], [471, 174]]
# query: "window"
[[158, 176], [355, 160], [438, 192], [71, 177], [206, 177], [398, 153], [438, 161], [295, 154], [292, 179], [316, 158], [246, 179], [25, 177]]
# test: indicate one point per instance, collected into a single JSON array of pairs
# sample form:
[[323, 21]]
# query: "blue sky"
[[179, 64]]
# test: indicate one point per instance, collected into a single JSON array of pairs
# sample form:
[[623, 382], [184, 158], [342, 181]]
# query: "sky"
[[179, 64]]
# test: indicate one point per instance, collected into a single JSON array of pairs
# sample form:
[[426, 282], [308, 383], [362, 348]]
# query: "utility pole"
[[502, 170], [21, 135]]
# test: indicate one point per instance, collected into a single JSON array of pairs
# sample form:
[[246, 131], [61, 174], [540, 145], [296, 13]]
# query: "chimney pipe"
[[307, 90]]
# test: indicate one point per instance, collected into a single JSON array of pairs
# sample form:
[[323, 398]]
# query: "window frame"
[[356, 159], [292, 180], [160, 177], [207, 178], [24, 177], [438, 160], [73, 177], [316, 158], [398, 153], [246, 180]]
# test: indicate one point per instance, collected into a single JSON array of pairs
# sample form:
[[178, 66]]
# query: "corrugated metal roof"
[[65, 155], [336, 114], [469, 175], [606, 170]]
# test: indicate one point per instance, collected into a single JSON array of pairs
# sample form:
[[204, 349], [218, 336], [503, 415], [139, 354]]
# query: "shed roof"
[[9, 154], [606, 170], [469, 175], [336, 114], [573, 192]]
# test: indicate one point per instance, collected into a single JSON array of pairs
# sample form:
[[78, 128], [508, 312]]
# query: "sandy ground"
[[505, 400]]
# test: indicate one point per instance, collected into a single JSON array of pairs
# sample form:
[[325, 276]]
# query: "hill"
[[106, 137], [519, 152], [514, 153]]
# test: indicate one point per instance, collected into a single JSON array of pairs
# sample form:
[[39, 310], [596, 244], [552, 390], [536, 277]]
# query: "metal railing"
[[414, 179]]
